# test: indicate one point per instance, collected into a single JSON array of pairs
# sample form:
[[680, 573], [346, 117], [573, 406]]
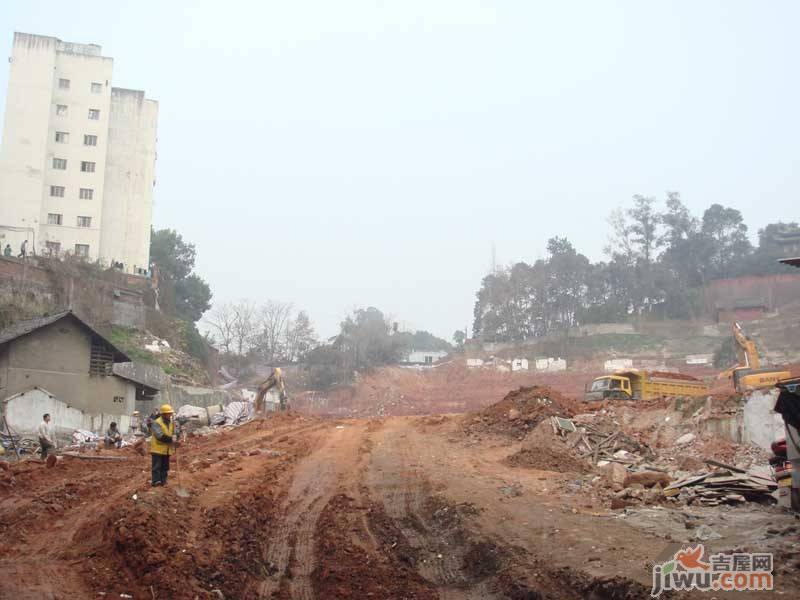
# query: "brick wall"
[[775, 290]]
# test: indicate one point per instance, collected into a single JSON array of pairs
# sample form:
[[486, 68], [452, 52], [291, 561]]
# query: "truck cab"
[[608, 386]]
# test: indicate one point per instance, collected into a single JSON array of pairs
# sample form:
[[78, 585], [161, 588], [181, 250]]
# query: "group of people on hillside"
[[160, 426], [23, 250]]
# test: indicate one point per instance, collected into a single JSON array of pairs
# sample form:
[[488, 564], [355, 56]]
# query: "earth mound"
[[519, 412]]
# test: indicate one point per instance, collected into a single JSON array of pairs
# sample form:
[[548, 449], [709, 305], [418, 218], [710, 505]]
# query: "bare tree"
[[244, 325], [273, 318], [299, 337], [221, 320]]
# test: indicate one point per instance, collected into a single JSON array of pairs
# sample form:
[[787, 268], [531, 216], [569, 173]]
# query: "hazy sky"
[[342, 154]]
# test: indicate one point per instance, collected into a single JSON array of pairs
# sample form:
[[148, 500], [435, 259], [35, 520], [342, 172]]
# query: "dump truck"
[[643, 385]]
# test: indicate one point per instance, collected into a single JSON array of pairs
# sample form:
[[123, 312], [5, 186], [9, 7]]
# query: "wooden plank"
[[716, 463]]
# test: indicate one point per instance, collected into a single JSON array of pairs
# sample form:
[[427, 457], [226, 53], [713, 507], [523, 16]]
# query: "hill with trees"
[[659, 259]]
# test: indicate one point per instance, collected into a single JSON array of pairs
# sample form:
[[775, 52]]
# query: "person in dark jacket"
[[113, 436], [162, 444]]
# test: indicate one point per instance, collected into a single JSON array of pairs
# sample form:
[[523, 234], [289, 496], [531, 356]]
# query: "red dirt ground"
[[304, 507]]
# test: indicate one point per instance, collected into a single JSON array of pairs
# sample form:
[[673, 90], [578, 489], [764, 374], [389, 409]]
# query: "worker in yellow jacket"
[[162, 444]]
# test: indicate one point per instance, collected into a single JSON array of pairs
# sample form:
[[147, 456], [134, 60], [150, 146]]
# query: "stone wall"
[[32, 289]]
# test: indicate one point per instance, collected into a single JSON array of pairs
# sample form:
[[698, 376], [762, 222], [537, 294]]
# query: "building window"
[[53, 248], [97, 88], [94, 114], [61, 110], [62, 137], [86, 193], [82, 250], [101, 356], [54, 219], [84, 221], [60, 163], [63, 84], [87, 167], [57, 191], [90, 140]]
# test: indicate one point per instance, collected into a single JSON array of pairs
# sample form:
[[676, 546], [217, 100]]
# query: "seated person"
[[113, 436]]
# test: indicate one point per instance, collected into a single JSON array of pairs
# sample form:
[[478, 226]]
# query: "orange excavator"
[[275, 380], [749, 374]]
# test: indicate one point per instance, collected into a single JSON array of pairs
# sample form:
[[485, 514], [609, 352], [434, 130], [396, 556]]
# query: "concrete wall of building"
[[25, 137], [56, 358], [130, 177], [82, 66], [24, 412]]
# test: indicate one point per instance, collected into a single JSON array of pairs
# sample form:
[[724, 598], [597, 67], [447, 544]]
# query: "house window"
[[87, 167], [101, 357], [61, 110], [57, 191], [63, 84], [60, 163], [54, 218], [86, 193], [97, 88], [62, 137], [84, 221], [90, 140], [94, 114], [53, 248], [82, 250]]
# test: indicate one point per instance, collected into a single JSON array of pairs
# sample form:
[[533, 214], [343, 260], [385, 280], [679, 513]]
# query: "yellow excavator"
[[275, 380], [749, 374]]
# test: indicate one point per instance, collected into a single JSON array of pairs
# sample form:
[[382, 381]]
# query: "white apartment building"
[[77, 166]]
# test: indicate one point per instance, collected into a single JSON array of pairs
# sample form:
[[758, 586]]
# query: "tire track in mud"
[[290, 555], [431, 529], [450, 549]]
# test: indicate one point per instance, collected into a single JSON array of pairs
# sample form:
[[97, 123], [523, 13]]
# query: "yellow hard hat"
[[166, 409]]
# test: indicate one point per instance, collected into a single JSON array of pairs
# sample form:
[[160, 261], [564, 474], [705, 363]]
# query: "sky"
[[350, 154]]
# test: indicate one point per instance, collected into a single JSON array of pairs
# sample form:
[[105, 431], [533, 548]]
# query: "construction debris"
[[519, 412], [723, 485], [606, 442]]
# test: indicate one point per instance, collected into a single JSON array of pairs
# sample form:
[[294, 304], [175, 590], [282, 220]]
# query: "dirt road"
[[297, 507]]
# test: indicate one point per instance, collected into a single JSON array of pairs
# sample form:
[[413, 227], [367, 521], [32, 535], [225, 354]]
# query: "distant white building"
[[551, 364], [615, 364], [425, 357], [77, 166], [519, 364], [699, 359]]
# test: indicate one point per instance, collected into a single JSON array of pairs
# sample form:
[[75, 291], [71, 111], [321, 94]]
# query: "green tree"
[[459, 338], [174, 257], [682, 262], [192, 297], [764, 260], [727, 248], [366, 340], [181, 291]]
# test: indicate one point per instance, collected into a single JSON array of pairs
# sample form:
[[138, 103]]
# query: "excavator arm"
[[274, 380], [749, 374], [746, 349]]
